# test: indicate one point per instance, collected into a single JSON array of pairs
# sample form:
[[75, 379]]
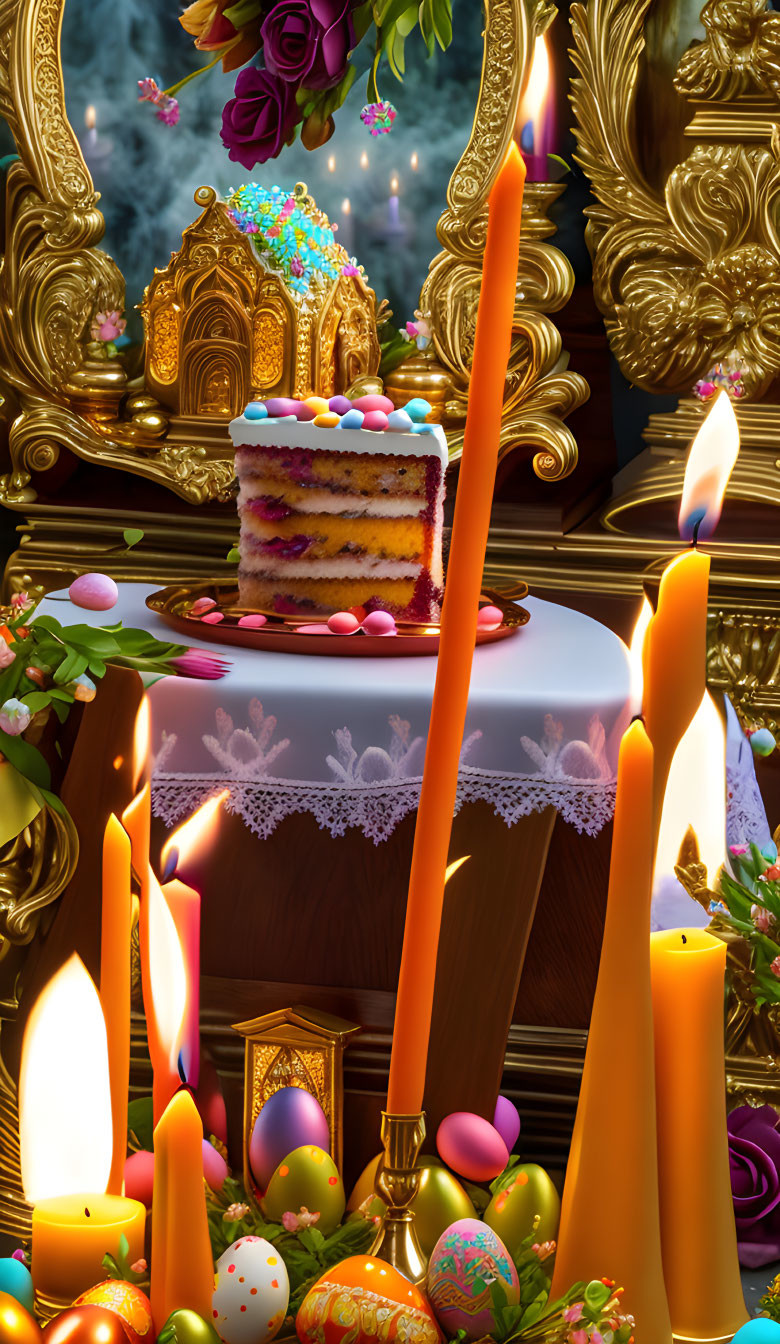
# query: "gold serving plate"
[[300, 634]]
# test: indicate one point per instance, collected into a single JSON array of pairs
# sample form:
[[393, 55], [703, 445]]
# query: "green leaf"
[[132, 536], [234, 555], [140, 1122], [92, 639], [36, 700], [73, 665], [27, 759], [47, 623], [441, 11], [19, 802], [243, 13]]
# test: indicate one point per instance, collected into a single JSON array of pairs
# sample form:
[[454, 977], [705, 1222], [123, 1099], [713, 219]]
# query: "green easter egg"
[[307, 1178], [187, 1327], [440, 1200], [511, 1212]]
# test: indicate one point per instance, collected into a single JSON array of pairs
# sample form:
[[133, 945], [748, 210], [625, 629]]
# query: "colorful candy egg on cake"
[[511, 1211], [465, 1260], [307, 1178], [290, 1118], [440, 1200], [362, 1300], [128, 1303], [251, 1294]]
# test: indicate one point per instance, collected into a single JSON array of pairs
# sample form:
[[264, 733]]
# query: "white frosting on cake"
[[287, 432]]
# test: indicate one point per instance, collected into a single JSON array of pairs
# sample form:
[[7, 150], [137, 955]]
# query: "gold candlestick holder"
[[397, 1183]]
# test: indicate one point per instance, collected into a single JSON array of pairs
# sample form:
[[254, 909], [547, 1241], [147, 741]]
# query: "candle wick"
[[696, 526], [87, 1213], [685, 940], [637, 718], [170, 864], [182, 1073]]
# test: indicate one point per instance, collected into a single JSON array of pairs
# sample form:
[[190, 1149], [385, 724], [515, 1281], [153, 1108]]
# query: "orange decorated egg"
[[17, 1326], [362, 1300], [85, 1325], [128, 1303]]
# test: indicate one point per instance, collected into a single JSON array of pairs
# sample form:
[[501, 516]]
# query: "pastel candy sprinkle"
[[340, 405], [398, 422], [423, 429], [418, 408], [379, 623], [213, 617], [763, 742], [343, 623], [282, 406], [312, 629], [489, 618], [256, 410], [352, 420], [327, 420], [303, 411], [376, 420], [373, 401], [202, 604], [318, 404], [252, 621]]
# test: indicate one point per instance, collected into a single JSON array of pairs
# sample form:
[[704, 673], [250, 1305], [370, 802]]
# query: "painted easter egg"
[[307, 1178], [17, 1326], [506, 1118], [127, 1302], [86, 1325], [440, 1200], [215, 1168], [251, 1294], [761, 1330], [511, 1211], [467, 1257], [93, 592], [362, 1300], [187, 1327], [762, 742], [290, 1118], [139, 1177], [471, 1146], [374, 401], [16, 1280]]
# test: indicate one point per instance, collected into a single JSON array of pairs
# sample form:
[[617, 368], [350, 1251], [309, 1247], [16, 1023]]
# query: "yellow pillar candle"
[[117, 915], [72, 1233], [698, 1234], [182, 1264], [609, 1217]]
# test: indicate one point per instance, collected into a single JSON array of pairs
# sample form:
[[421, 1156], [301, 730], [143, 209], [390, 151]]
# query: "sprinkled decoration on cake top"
[[371, 412], [291, 235]]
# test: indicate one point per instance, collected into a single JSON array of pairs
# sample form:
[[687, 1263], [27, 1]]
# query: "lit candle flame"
[[332, 163], [141, 741], [193, 836], [711, 459], [696, 794], [453, 867], [167, 973], [64, 1092], [394, 185], [90, 118], [635, 656], [534, 112], [364, 160], [346, 208], [414, 162]]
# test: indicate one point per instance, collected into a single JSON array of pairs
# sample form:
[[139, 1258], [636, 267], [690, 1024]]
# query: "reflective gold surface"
[[397, 1183]]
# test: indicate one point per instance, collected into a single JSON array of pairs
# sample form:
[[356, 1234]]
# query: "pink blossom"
[[573, 1313], [579, 1337], [705, 389], [199, 664], [235, 1212], [774, 968], [107, 326], [350, 270], [168, 110], [596, 1337], [7, 654], [738, 849], [295, 1222], [21, 601], [762, 918], [14, 717], [296, 266], [140, 1267], [150, 90]]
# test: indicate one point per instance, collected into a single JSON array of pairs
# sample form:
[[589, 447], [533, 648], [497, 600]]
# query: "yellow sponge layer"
[[390, 538], [329, 595]]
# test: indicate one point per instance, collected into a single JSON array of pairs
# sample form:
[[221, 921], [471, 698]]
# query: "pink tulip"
[[7, 654], [199, 664]]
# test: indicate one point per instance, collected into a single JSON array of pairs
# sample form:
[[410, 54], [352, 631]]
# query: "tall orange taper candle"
[[458, 632], [115, 932], [609, 1218], [182, 1265], [697, 1214]]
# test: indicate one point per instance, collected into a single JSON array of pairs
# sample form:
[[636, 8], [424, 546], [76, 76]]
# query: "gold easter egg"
[[17, 1326], [186, 1327], [440, 1200], [511, 1211], [308, 1178]]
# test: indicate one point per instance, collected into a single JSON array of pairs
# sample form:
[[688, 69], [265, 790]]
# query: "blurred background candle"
[[364, 161], [393, 207], [67, 1140], [180, 850], [414, 162], [536, 118], [182, 1265], [116, 927], [698, 1235], [97, 149]]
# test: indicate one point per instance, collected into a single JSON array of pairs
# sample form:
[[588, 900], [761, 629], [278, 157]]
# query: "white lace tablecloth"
[[344, 738]]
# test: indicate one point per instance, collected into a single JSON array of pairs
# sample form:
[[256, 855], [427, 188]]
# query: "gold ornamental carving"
[[540, 390], [689, 275]]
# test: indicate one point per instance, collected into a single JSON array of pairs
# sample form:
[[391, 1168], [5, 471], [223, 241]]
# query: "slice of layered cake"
[[341, 505]]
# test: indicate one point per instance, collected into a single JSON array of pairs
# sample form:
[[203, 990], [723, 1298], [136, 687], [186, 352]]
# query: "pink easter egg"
[[343, 623], [213, 617], [489, 618], [313, 629], [376, 420], [215, 1168], [254, 621], [139, 1177], [286, 406], [340, 405], [93, 592], [373, 401], [507, 1121], [202, 604], [210, 1101], [379, 623], [471, 1146]]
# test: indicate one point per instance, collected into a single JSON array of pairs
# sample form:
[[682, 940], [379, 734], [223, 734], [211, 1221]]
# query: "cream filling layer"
[[287, 432], [312, 500], [336, 567]]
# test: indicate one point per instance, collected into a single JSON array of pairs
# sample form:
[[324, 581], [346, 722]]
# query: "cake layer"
[[406, 599], [274, 499], [339, 471], [287, 432], [320, 535], [333, 567]]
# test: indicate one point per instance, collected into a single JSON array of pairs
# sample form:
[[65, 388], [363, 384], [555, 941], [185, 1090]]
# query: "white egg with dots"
[[251, 1294]]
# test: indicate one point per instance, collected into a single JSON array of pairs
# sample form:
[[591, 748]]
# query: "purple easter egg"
[[286, 406], [340, 405], [215, 1168], [290, 1119], [93, 592], [373, 401], [471, 1146], [376, 420], [507, 1121]]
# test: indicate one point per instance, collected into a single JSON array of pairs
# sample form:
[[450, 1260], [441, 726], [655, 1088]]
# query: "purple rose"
[[308, 41], [754, 1158], [259, 119]]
